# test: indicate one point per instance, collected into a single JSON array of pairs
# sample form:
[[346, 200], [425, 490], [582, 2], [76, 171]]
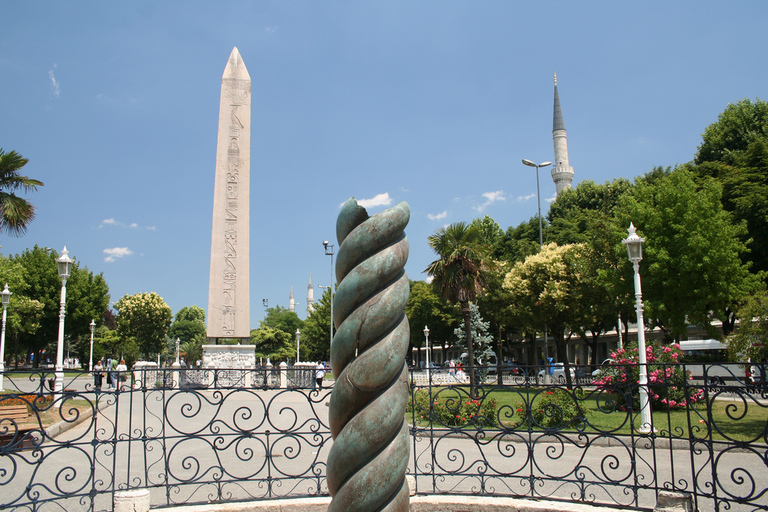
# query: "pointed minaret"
[[292, 302], [228, 286], [310, 296], [562, 172]]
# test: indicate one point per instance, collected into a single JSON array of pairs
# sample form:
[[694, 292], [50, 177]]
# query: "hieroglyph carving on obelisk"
[[228, 290]]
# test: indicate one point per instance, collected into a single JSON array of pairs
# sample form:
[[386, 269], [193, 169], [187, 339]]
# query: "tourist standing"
[[122, 372], [98, 376], [320, 374]]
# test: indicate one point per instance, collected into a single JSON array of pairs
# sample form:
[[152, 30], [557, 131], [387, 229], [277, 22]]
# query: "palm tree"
[[461, 274], [15, 212]]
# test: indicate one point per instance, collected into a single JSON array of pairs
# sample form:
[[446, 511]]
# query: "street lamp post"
[[6, 297], [530, 163], [329, 252], [426, 335], [634, 245], [90, 363], [298, 338], [64, 264]]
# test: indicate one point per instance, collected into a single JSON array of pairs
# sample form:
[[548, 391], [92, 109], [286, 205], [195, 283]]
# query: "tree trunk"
[[465, 311]]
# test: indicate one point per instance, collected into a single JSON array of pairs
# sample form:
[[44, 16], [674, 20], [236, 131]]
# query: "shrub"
[[554, 409], [454, 410], [667, 381]]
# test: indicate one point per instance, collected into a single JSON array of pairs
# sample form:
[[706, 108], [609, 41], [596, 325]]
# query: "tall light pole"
[[634, 245], [64, 264], [6, 297], [530, 163], [329, 252], [298, 338], [426, 335], [92, 325]]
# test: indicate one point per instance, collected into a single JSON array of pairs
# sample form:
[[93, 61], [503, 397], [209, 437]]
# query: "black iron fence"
[[198, 436]]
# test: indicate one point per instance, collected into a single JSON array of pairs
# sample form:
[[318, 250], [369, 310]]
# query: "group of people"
[[116, 372]]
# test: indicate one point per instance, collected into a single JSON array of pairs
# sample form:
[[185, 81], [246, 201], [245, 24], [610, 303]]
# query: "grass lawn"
[[729, 420]]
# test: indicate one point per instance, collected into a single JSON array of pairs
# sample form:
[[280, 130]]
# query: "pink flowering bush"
[[666, 379]]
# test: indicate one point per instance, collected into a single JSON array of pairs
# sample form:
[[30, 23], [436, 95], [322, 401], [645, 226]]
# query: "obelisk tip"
[[236, 67]]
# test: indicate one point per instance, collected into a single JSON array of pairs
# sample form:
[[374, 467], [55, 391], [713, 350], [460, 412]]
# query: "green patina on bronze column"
[[369, 456]]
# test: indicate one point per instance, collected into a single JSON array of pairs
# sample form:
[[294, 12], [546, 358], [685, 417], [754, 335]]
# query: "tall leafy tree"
[[316, 331], [273, 343], [15, 212], [145, 318], [750, 341], [544, 289], [460, 274], [425, 308], [691, 254], [188, 324], [736, 128], [283, 319], [87, 298]]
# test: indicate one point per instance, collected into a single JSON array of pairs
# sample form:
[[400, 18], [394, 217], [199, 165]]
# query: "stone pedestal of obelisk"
[[228, 290]]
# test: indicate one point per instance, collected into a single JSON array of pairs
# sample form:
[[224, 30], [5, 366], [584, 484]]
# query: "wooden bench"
[[19, 413], [18, 433]]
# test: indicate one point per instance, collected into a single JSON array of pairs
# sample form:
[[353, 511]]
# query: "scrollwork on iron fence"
[[206, 441]]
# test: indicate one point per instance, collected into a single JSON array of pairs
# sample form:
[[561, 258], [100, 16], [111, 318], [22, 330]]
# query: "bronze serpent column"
[[369, 456]]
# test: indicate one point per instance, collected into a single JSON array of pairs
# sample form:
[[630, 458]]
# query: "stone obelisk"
[[228, 289]]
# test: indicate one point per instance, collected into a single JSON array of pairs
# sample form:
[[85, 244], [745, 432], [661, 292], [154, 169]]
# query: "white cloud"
[[526, 198], [55, 89], [116, 252], [377, 200], [270, 30], [490, 198], [112, 222], [438, 216]]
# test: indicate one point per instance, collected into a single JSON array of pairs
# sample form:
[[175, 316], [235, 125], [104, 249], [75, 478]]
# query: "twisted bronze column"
[[369, 456]]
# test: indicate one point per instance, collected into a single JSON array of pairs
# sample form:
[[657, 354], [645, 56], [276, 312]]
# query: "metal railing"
[[198, 436]]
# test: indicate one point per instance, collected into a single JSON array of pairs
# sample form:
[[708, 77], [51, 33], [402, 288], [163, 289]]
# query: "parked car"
[[601, 367], [558, 374]]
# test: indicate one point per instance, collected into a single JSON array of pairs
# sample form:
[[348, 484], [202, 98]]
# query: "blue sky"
[[434, 103]]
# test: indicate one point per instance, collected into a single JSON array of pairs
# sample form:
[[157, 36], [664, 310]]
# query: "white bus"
[[709, 357]]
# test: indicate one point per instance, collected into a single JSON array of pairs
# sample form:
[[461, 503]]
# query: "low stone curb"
[[418, 504], [59, 428]]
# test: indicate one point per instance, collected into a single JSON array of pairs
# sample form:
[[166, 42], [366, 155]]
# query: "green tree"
[[745, 195], [544, 290], [188, 324], [283, 319], [273, 344], [750, 341], [460, 274], [316, 331], [520, 242], [87, 298], [736, 128], [15, 212], [144, 318], [427, 308], [692, 252]]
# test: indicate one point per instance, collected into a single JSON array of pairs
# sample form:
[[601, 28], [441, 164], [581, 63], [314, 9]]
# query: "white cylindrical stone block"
[[134, 500]]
